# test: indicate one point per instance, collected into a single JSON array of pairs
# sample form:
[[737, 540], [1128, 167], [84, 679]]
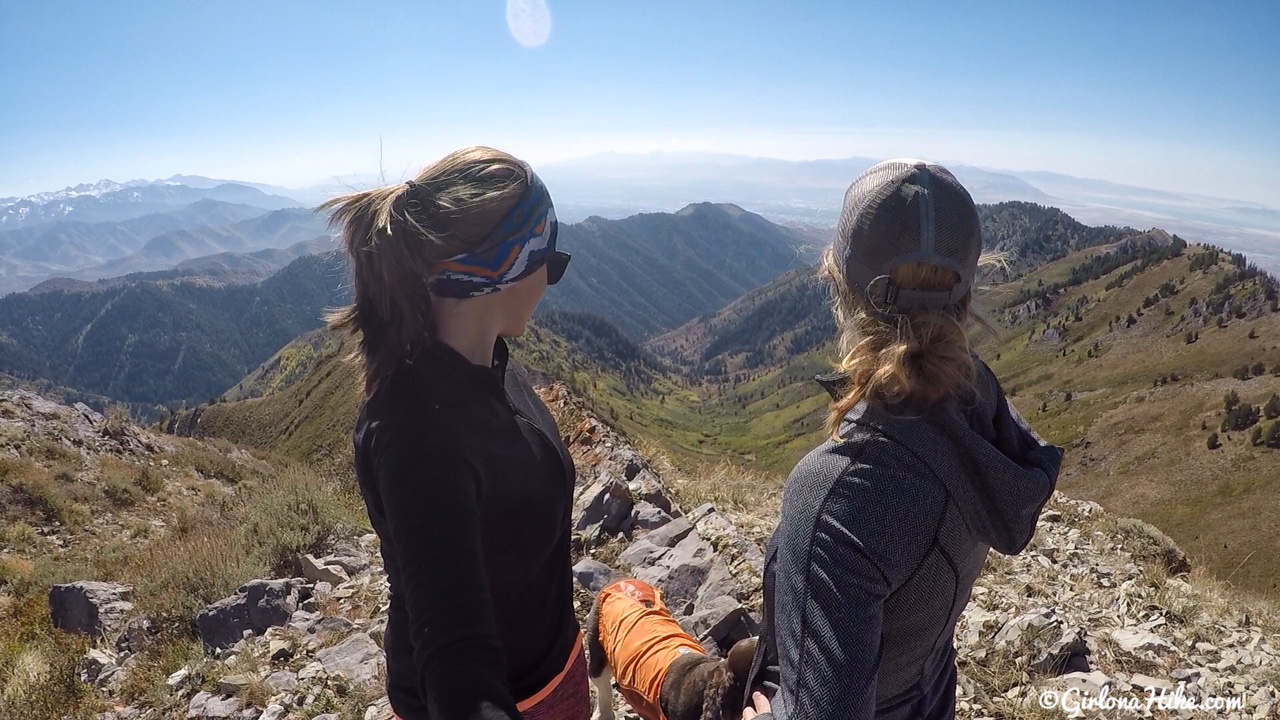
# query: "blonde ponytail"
[[909, 361]]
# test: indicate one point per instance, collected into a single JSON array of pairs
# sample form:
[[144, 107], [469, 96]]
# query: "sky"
[[1173, 95]]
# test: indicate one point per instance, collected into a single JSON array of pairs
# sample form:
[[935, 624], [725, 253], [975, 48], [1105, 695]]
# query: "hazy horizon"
[[373, 176], [1173, 96]]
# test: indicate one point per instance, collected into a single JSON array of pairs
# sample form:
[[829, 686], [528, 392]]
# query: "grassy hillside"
[[1120, 384], [1094, 349], [303, 401], [310, 416], [86, 497]]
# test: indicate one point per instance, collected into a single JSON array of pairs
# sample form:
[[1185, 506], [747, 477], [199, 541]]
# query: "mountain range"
[[108, 229], [1152, 360], [276, 230], [127, 338], [108, 201], [618, 184], [704, 332], [162, 342], [654, 271]]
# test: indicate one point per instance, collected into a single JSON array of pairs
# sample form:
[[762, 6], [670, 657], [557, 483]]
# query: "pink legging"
[[566, 697]]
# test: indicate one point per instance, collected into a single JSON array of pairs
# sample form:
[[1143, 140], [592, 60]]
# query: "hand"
[[760, 704]]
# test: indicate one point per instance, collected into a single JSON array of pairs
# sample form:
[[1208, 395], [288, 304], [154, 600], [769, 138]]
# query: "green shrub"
[[262, 532], [53, 451], [176, 576], [212, 464], [299, 512], [145, 683], [1148, 543], [14, 569], [41, 494], [38, 674], [148, 480], [120, 490]]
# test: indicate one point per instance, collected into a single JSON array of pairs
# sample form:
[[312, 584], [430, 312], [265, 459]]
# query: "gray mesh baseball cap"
[[903, 211]]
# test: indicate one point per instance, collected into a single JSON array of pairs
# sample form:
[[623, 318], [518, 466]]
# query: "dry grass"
[[51, 497], [752, 499], [180, 573], [1223, 600], [121, 490], [351, 703], [143, 479], [211, 461], [729, 486], [38, 665], [214, 541], [210, 551], [117, 421], [148, 480], [145, 683]]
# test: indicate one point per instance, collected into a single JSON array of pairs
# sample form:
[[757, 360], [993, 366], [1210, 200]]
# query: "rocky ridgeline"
[[1098, 605], [72, 436], [26, 416]]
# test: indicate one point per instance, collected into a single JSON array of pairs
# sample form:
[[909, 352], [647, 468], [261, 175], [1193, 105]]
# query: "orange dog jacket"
[[641, 640]]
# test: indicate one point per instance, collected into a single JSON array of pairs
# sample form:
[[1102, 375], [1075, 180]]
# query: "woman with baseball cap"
[[885, 526], [460, 465]]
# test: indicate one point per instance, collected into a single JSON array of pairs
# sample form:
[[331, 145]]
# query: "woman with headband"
[[885, 526], [460, 465]]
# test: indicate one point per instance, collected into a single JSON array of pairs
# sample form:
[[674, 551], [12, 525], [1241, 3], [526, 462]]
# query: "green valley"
[[1125, 347]]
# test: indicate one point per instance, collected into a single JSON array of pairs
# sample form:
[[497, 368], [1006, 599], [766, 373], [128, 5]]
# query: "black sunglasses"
[[556, 265]]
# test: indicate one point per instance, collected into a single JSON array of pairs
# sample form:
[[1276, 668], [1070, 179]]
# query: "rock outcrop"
[[1095, 604], [96, 609], [255, 607]]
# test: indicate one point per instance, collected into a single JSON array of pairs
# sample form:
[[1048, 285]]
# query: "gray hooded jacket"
[[880, 540]]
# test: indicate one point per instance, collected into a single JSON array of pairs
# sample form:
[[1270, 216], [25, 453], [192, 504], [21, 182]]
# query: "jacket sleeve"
[[855, 523], [431, 501], [829, 660]]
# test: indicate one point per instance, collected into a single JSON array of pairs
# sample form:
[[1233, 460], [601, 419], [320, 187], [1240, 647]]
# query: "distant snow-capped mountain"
[[107, 200], [98, 189]]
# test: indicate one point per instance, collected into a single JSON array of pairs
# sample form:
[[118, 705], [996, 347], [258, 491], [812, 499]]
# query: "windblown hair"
[[908, 361], [395, 233]]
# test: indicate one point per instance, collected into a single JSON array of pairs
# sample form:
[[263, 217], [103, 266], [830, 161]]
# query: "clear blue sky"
[[1173, 95]]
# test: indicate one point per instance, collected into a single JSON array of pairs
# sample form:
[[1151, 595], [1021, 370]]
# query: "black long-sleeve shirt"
[[881, 538], [470, 491]]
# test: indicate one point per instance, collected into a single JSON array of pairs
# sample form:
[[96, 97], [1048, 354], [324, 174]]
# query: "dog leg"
[[603, 684]]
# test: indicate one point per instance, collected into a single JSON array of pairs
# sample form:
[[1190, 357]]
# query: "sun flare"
[[529, 21]]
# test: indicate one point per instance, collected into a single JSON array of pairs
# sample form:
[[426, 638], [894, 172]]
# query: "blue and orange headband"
[[523, 241]]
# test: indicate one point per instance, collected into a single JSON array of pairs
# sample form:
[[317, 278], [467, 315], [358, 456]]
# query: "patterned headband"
[[522, 243]]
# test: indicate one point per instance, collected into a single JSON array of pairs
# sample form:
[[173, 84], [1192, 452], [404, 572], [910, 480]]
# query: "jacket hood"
[[995, 467]]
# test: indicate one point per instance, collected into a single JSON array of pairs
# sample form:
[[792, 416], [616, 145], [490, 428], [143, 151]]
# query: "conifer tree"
[[1271, 410], [1230, 401], [1271, 438]]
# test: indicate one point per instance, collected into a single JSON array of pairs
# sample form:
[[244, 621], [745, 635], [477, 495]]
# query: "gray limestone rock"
[[256, 606], [96, 609]]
